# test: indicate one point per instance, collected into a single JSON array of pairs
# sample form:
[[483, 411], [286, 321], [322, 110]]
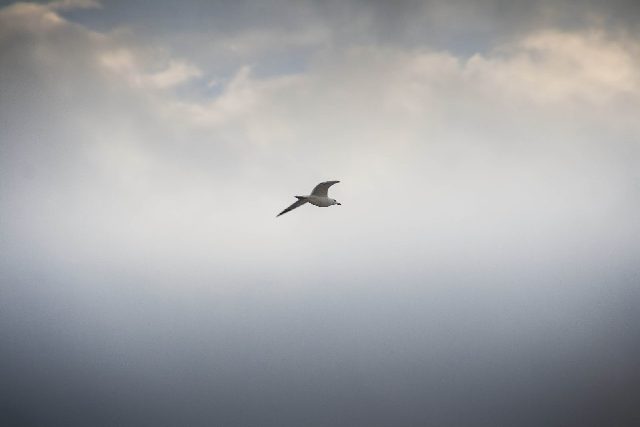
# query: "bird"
[[318, 197]]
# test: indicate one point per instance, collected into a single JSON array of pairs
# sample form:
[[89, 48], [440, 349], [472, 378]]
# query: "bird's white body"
[[323, 202], [318, 197]]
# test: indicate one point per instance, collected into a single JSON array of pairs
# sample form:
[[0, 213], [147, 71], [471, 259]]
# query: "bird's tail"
[[300, 197]]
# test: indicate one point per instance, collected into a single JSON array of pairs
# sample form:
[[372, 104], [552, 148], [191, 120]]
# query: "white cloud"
[[27, 18], [554, 66], [396, 96], [177, 72], [33, 18], [124, 62], [244, 97], [137, 67]]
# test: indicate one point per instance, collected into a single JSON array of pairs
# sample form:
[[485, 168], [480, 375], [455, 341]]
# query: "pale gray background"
[[483, 269]]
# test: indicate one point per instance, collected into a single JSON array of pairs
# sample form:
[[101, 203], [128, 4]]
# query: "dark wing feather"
[[296, 204], [322, 188]]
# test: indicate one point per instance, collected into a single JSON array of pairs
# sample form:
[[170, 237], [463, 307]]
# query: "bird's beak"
[[338, 203]]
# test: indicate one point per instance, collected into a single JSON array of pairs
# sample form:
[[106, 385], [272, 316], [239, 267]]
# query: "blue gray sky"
[[483, 269]]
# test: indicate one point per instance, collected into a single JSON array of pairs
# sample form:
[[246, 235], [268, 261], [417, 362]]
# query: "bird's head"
[[335, 202]]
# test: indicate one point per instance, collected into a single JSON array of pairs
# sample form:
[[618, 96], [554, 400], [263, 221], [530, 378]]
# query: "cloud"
[[271, 40], [123, 62], [73, 4], [28, 18], [396, 96], [32, 18], [487, 238], [557, 66], [177, 72], [369, 113], [137, 67]]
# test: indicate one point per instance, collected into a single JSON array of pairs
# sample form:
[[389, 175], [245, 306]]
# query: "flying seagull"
[[317, 197]]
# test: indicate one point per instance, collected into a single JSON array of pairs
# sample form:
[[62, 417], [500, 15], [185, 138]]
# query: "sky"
[[482, 270]]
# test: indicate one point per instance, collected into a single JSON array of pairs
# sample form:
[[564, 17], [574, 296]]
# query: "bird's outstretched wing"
[[296, 204], [322, 188]]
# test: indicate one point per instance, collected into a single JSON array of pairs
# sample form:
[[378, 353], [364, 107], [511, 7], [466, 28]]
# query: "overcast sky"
[[483, 269]]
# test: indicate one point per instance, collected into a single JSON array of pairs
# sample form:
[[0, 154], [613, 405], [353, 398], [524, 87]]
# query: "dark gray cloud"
[[483, 269]]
